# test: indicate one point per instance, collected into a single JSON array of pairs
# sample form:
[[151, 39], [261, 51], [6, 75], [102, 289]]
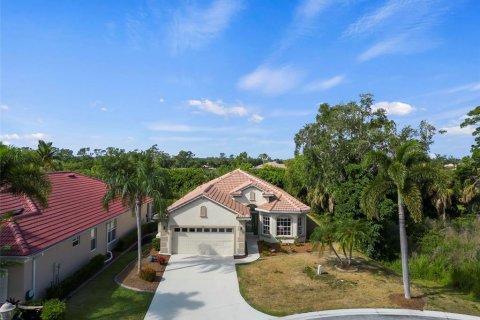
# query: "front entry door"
[[254, 216]]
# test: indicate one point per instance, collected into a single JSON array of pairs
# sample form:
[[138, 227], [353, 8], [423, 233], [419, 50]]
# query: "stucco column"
[[294, 225], [165, 245], [241, 240]]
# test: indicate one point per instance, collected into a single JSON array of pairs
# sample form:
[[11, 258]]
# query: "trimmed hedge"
[[62, 289], [54, 310], [131, 237], [156, 244]]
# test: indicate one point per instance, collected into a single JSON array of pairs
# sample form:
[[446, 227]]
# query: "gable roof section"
[[222, 190], [74, 205]]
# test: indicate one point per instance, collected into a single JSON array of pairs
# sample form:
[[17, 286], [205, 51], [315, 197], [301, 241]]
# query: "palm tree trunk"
[[138, 207], [350, 254], [335, 251], [403, 246]]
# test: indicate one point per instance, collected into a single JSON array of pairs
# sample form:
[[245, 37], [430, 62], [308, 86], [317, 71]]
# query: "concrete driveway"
[[200, 287]]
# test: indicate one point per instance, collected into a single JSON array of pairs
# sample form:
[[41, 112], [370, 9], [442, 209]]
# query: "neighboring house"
[[271, 164], [47, 245], [215, 217]]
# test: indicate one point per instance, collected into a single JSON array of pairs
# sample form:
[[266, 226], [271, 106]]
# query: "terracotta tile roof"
[[223, 189], [74, 205]]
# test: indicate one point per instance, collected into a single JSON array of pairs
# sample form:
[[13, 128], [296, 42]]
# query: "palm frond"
[[373, 194], [398, 173], [412, 197]]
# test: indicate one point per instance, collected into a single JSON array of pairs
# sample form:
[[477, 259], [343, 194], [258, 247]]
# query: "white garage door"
[[203, 241]]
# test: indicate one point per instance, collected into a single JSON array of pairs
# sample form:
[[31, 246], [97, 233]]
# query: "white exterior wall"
[[273, 227], [245, 198], [20, 278], [189, 216]]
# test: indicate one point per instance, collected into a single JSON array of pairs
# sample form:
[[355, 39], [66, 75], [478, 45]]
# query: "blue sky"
[[230, 76]]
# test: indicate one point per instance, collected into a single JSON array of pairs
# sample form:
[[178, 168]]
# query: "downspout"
[[34, 273]]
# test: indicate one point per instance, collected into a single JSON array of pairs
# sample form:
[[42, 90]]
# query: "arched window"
[[203, 212]]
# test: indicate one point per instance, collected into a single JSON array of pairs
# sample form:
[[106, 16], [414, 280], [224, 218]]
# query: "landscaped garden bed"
[[130, 279], [268, 249]]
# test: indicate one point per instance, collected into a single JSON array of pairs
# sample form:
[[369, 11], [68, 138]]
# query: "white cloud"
[[29, 136], [370, 21], [218, 108], [194, 27], [4, 107], [271, 81], [475, 86], [161, 100], [181, 139], [394, 107], [400, 27], [324, 84], [394, 45], [103, 109], [456, 130], [169, 127], [255, 118], [303, 21]]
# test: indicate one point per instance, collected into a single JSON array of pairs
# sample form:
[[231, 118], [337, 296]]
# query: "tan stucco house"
[[50, 244], [214, 218]]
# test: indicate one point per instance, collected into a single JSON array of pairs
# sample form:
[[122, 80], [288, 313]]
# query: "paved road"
[[200, 287]]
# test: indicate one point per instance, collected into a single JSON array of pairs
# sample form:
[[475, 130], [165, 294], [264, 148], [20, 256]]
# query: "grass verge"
[[104, 299]]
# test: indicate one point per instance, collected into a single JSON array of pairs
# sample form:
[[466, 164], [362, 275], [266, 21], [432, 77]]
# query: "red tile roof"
[[224, 188], [74, 205]]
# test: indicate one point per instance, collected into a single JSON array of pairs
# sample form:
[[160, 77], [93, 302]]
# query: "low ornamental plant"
[[156, 244], [161, 260], [148, 274], [54, 310]]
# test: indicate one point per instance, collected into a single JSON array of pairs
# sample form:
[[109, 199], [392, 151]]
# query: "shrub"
[[312, 274], [149, 227], [156, 244], [130, 238], [161, 259], [54, 310], [63, 288], [148, 274]]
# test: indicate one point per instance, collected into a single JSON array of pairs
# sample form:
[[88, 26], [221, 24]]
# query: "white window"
[[75, 241], [111, 230], [266, 224], [203, 212], [284, 226], [252, 195], [93, 239], [299, 226]]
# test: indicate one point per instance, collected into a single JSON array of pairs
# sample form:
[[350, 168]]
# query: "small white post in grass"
[[319, 269]]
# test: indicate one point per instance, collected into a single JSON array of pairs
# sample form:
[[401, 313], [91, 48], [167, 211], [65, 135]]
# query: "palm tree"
[[441, 193], [21, 174], [403, 171], [133, 178], [46, 153]]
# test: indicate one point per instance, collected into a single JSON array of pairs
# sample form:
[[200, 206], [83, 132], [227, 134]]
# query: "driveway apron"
[[200, 287]]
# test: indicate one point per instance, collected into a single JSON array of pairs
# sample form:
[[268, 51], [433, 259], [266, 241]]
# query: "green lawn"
[[104, 299]]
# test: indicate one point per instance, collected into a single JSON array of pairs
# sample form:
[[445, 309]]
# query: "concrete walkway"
[[200, 287], [379, 314], [252, 248]]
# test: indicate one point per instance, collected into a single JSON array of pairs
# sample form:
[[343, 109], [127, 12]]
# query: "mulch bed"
[[130, 278], [416, 303], [274, 249]]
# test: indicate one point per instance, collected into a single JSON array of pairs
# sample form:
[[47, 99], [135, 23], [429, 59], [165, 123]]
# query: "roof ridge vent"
[[71, 175]]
